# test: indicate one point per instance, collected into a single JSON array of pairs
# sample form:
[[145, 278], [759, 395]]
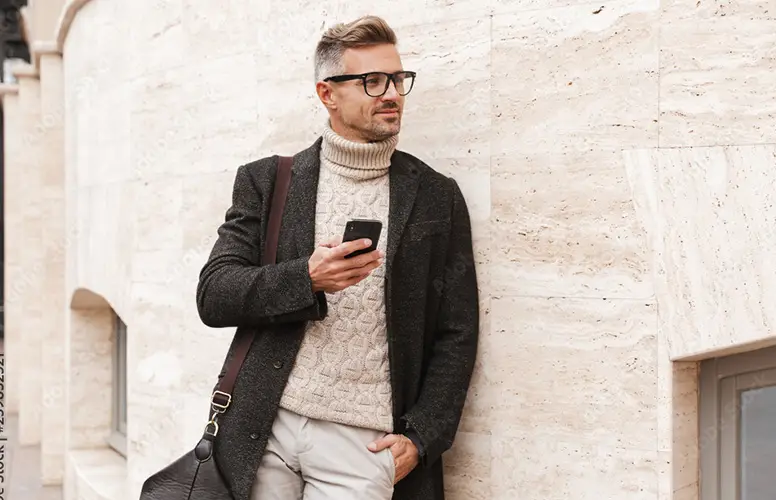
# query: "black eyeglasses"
[[376, 83]]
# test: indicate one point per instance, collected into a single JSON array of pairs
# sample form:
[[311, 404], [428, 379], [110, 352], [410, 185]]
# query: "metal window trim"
[[119, 376], [721, 382], [118, 442]]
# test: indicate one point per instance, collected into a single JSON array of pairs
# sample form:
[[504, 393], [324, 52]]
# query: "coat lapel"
[[299, 214], [403, 189]]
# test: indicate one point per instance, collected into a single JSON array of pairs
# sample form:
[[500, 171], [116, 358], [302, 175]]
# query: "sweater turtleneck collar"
[[356, 160]]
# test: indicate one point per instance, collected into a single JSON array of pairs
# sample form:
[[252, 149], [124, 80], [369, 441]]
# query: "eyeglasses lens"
[[376, 84]]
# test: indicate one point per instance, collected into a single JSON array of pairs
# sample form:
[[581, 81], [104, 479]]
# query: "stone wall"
[[617, 159]]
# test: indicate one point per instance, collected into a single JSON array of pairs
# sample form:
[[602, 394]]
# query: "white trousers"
[[308, 459]]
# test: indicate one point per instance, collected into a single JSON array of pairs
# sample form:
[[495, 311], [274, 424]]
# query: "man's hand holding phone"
[[331, 272]]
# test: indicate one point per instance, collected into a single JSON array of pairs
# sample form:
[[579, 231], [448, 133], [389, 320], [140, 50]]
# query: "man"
[[356, 381]]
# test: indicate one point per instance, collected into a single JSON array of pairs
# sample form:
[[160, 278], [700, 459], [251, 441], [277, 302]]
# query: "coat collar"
[[404, 178]]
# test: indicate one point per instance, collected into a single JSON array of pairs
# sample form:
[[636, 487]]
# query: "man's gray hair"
[[363, 32]]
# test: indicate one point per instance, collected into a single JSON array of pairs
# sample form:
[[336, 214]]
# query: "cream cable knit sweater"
[[341, 373]]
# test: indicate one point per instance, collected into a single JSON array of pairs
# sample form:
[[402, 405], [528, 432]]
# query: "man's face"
[[356, 114]]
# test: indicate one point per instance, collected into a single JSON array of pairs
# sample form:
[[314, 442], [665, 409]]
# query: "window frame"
[[117, 439], [721, 382]]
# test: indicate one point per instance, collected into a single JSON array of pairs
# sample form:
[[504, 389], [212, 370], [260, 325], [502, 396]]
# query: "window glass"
[[758, 444]]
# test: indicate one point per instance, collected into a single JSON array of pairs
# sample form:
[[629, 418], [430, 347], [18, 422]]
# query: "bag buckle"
[[215, 427], [220, 407]]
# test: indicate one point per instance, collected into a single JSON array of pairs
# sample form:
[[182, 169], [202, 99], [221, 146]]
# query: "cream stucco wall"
[[619, 176]]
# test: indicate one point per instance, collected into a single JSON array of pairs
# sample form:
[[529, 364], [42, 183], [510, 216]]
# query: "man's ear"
[[326, 95]]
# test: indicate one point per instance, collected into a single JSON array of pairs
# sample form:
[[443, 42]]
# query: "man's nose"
[[391, 94]]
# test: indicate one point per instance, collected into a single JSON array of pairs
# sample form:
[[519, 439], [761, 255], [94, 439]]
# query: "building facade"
[[618, 161]]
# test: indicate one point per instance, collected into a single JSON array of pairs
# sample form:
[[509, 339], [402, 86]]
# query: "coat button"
[[254, 436], [278, 365]]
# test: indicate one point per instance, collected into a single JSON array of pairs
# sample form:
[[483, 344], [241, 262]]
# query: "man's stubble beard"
[[382, 131], [375, 131]]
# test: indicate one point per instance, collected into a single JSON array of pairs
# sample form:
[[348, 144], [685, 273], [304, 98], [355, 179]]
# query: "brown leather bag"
[[195, 475]]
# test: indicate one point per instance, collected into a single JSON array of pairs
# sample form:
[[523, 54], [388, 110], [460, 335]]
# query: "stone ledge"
[[8, 88], [43, 48], [99, 474], [24, 70]]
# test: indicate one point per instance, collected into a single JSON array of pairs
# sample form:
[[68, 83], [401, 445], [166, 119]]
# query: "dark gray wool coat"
[[432, 309]]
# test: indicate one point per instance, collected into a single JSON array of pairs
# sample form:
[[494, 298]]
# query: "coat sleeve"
[[435, 417], [234, 290]]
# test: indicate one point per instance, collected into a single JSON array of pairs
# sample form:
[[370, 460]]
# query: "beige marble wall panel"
[[45, 15], [601, 355], [100, 81], [205, 199], [100, 194], [160, 369], [217, 30], [512, 6], [13, 251], [536, 466], [157, 35], [566, 226], [103, 238], [210, 107], [572, 80], [576, 411], [560, 201], [288, 33], [31, 277], [403, 13], [203, 30], [97, 94], [164, 377], [468, 467], [718, 73], [89, 375], [481, 398], [677, 433], [101, 30], [158, 208], [712, 211], [473, 176], [677, 424], [186, 126], [286, 37], [685, 446], [54, 237], [290, 123], [448, 111], [106, 151]]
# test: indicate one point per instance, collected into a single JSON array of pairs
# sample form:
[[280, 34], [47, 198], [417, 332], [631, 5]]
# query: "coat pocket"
[[420, 230]]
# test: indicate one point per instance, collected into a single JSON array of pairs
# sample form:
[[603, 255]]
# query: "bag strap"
[[222, 397], [279, 194]]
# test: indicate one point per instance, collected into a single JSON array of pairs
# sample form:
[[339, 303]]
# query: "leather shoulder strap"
[[279, 194], [223, 396]]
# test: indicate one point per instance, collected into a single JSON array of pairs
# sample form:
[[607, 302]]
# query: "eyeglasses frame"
[[363, 76]]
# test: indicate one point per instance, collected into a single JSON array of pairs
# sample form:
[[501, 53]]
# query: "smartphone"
[[362, 228]]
